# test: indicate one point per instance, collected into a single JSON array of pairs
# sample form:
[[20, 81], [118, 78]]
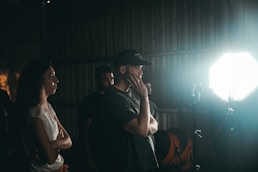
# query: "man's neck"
[[122, 85]]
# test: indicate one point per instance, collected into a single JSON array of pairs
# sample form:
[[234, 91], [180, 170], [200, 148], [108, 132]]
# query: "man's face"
[[106, 81], [134, 70]]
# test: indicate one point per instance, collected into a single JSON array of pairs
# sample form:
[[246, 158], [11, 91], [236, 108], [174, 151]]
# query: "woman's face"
[[50, 81]]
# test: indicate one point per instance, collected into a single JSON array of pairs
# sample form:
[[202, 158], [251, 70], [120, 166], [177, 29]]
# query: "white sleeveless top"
[[51, 127]]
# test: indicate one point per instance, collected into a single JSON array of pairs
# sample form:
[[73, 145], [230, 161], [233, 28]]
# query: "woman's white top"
[[48, 118]]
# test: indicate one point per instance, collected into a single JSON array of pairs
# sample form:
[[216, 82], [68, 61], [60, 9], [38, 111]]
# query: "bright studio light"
[[234, 76]]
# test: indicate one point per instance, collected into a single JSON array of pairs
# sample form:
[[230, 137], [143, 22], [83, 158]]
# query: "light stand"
[[196, 95], [232, 78], [230, 113]]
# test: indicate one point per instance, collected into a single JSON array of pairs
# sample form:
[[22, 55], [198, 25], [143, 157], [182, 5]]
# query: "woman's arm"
[[49, 151], [50, 148], [63, 140]]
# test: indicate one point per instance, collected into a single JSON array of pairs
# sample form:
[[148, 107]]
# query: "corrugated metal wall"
[[182, 38]]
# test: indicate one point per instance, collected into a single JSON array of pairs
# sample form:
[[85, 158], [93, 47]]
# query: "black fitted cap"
[[129, 57]]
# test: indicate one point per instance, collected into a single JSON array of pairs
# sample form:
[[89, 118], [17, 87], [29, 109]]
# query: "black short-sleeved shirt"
[[90, 104], [88, 110], [114, 148]]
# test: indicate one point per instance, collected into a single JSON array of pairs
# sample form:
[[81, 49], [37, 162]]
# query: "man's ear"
[[122, 69]]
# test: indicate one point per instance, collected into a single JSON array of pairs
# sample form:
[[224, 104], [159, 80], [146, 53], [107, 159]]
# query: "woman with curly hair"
[[41, 133]]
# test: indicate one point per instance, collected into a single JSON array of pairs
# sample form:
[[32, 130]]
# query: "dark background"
[[182, 38]]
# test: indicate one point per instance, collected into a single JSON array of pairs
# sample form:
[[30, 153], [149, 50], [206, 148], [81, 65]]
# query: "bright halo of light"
[[234, 76]]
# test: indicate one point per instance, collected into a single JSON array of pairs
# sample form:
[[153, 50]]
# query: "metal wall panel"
[[181, 37]]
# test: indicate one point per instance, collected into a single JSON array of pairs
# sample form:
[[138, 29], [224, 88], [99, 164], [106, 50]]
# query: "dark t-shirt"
[[90, 104], [88, 110], [114, 148]]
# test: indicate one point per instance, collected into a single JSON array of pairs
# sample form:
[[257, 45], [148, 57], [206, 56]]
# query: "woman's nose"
[[56, 80]]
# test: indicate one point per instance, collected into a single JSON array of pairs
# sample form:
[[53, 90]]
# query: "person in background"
[[41, 134], [153, 106], [104, 79], [121, 132]]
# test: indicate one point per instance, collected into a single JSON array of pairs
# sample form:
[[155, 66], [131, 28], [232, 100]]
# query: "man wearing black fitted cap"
[[125, 117], [130, 57]]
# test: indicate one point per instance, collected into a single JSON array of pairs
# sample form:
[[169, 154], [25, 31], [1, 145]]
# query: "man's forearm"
[[144, 116], [153, 127]]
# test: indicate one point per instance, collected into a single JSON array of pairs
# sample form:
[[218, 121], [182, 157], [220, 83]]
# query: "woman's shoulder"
[[35, 112]]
